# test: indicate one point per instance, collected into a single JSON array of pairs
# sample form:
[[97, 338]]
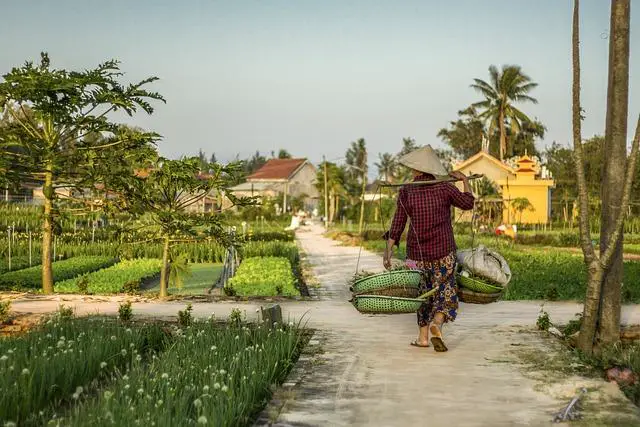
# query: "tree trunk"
[[332, 207], [47, 232], [613, 175], [364, 189], [503, 136], [337, 208], [164, 273], [591, 308]]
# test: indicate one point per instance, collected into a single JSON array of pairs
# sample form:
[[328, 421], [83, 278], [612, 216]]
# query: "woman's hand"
[[388, 253], [458, 175]]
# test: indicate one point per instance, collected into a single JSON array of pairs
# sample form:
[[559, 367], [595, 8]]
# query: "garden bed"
[[96, 371], [31, 278], [127, 275], [263, 276]]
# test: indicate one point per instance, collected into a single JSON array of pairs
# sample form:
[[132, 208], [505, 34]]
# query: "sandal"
[[436, 338], [415, 343]]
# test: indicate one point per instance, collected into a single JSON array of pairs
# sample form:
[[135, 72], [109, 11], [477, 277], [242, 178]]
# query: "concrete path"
[[366, 374]]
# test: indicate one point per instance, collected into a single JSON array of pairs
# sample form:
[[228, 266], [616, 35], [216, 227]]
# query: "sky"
[[312, 76]]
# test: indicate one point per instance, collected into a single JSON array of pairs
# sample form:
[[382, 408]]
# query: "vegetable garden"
[[99, 371]]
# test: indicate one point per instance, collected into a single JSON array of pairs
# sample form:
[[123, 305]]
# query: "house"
[[519, 179], [286, 178]]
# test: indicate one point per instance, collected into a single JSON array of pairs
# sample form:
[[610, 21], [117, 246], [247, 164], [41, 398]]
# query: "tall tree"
[[202, 159], [403, 174], [283, 154], [387, 167], [504, 89], [601, 320], [357, 160], [65, 107], [163, 196], [213, 158], [465, 135], [335, 187]]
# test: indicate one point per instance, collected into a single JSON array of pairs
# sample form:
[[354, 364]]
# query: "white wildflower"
[[60, 344], [25, 371], [75, 396], [128, 330], [205, 389], [140, 391], [127, 387], [197, 403], [124, 352], [125, 377], [160, 402], [222, 372], [165, 376], [12, 424], [225, 388], [103, 365], [79, 390], [202, 420], [216, 386], [3, 358], [108, 394], [113, 337], [138, 358], [237, 337]]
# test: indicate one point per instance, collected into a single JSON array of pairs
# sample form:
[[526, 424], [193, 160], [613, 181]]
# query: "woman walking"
[[431, 245]]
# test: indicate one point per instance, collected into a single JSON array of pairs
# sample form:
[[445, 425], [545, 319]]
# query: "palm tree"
[[357, 162], [386, 167], [507, 86]]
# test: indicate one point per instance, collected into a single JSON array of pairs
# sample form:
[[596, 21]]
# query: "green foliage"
[[573, 326], [125, 312], [506, 87], [113, 279], [179, 269], [30, 278], [61, 362], [235, 317], [185, 318], [65, 313], [5, 308], [264, 276], [543, 322], [218, 376], [82, 284], [465, 135]]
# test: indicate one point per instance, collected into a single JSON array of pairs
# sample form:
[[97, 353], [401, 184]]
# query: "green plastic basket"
[[379, 304], [478, 285], [388, 279]]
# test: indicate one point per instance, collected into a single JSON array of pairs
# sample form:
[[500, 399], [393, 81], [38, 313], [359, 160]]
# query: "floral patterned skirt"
[[439, 274]]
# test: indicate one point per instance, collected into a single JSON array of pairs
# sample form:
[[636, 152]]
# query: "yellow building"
[[525, 186]]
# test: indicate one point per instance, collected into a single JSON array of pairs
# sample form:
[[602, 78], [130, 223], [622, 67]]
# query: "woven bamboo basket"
[[386, 280], [470, 297], [380, 304], [394, 291], [477, 285]]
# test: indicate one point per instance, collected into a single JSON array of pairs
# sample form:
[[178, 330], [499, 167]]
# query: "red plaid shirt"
[[430, 234]]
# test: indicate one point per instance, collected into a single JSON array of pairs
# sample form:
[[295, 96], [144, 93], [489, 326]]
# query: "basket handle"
[[428, 294]]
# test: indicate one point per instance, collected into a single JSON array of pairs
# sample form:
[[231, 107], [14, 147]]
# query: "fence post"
[[9, 233], [29, 248]]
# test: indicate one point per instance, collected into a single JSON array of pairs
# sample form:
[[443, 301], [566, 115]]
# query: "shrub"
[[264, 276], [185, 318], [125, 312], [5, 308]]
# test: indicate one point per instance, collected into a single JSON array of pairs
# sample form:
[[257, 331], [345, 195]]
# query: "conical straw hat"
[[424, 159]]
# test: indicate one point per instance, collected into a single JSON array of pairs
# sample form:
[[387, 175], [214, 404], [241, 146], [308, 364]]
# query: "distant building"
[[521, 178], [286, 178]]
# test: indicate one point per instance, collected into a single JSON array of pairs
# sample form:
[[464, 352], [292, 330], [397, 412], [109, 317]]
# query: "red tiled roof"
[[277, 169]]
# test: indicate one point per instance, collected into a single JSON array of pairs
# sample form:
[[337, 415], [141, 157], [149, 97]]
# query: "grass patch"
[[203, 275], [63, 360], [113, 279], [31, 278], [263, 276]]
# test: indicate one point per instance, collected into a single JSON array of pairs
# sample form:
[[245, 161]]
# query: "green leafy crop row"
[[113, 279], [264, 276], [62, 270]]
